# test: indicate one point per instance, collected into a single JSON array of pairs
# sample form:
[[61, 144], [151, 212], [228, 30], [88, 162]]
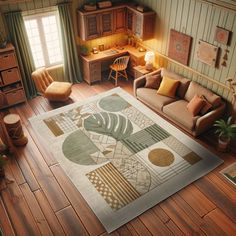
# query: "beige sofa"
[[175, 109]]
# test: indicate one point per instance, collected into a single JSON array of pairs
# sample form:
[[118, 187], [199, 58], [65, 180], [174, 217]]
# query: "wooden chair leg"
[[116, 77], [126, 75], [110, 74]]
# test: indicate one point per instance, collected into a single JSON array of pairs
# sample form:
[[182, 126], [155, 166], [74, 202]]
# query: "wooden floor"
[[38, 198]]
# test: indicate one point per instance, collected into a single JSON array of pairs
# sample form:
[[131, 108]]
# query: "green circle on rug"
[[161, 157], [113, 103]]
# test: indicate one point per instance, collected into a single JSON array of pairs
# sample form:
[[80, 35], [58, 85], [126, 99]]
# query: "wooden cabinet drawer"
[[15, 96], [7, 60], [10, 76], [3, 101]]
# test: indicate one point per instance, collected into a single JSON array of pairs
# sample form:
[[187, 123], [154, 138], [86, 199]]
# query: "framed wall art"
[[207, 53], [222, 35], [179, 46]]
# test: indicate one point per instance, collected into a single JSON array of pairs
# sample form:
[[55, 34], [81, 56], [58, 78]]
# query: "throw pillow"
[[153, 81], [195, 105], [206, 107], [168, 87]]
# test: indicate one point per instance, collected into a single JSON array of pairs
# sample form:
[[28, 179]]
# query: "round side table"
[[14, 129]]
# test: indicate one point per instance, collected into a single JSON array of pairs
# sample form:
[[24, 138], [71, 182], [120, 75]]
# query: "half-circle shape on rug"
[[77, 147], [113, 103]]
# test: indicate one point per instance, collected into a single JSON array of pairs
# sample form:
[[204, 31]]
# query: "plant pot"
[[223, 144], [3, 44]]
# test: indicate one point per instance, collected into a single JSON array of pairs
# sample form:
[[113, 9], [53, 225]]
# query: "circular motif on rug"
[[161, 157], [113, 103]]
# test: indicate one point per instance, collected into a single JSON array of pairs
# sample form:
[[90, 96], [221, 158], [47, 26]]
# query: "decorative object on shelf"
[[104, 4], [226, 131], [225, 58], [101, 47], [207, 53], [232, 86], [91, 6], [141, 8], [84, 50], [222, 35], [95, 50], [141, 49], [14, 129], [149, 58], [3, 41], [179, 46]]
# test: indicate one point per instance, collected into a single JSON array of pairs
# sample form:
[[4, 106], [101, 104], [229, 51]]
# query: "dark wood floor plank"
[[124, 231], [197, 200], [208, 229], [154, 224], [140, 227], [71, 222], [49, 213], [5, 223], [226, 225], [174, 228], [180, 218], [46, 180], [36, 210], [218, 197], [161, 214], [18, 211], [81, 207]]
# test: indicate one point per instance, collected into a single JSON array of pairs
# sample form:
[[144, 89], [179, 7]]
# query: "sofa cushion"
[[183, 85], [168, 87], [195, 88], [206, 107], [178, 111], [151, 98], [195, 105], [153, 81]]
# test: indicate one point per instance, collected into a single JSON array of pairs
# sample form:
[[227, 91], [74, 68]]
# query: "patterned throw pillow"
[[195, 105], [153, 81], [168, 87]]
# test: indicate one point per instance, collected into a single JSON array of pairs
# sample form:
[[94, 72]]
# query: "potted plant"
[[226, 131], [3, 41], [84, 50]]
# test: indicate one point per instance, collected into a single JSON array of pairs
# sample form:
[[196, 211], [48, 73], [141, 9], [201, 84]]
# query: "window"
[[43, 33]]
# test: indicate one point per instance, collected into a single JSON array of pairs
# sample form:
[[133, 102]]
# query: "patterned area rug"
[[122, 157]]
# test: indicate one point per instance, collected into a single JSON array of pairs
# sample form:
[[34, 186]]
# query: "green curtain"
[[18, 37], [71, 61]]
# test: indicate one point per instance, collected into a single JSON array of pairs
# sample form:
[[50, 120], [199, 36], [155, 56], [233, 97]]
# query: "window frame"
[[38, 17]]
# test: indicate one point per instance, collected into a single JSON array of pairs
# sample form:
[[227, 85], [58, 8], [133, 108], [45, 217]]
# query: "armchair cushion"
[[153, 81], [195, 105]]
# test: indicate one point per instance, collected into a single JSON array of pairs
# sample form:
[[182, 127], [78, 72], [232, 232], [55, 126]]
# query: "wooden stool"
[[14, 129]]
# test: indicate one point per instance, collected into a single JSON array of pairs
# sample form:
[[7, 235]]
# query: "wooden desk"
[[141, 70], [94, 64]]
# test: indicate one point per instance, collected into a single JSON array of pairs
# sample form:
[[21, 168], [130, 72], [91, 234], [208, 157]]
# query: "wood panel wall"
[[199, 20]]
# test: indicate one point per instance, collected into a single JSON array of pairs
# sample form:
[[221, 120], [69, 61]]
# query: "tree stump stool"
[[14, 129]]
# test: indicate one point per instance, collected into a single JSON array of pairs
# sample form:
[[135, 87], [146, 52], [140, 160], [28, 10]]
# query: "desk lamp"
[[149, 58]]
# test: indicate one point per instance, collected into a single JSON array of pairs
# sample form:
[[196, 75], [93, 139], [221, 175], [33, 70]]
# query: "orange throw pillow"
[[195, 105], [168, 87]]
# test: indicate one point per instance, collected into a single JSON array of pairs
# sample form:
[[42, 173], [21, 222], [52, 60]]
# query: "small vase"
[[223, 144]]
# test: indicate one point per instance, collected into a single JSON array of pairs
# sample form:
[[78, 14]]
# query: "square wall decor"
[[179, 46], [207, 53], [222, 35]]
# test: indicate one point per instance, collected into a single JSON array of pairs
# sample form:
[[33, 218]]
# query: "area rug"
[[230, 173], [122, 157]]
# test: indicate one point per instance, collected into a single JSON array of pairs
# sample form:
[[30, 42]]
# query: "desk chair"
[[50, 89], [119, 66]]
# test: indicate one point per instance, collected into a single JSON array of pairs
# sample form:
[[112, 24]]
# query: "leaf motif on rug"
[[114, 125]]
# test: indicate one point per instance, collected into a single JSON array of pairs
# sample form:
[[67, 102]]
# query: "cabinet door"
[[92, 26], [138, 25], [106, 19], [119, 20], [130, 19]]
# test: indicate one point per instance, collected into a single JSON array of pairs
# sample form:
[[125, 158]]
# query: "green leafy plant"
[[3, 40], [225, 129], [84, 50]]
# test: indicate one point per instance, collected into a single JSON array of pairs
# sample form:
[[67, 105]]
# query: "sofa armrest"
[[207, 120], [140, 82]]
